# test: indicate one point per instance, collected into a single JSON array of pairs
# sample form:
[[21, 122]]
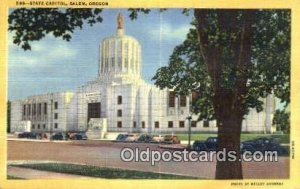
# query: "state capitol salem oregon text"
[[61, 3]]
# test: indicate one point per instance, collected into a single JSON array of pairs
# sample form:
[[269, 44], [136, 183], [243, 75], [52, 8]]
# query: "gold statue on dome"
[[120, 21]]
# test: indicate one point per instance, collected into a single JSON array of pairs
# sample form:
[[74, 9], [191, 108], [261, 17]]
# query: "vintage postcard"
[[160, 94]]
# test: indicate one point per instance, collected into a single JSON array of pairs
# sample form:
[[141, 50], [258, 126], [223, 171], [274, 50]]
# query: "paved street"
[[107, 154]]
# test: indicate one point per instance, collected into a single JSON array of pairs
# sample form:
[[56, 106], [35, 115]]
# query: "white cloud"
[[166, 31], [48, 50]]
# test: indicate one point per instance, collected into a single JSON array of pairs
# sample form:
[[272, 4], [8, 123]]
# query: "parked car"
[[33, 135], [23, 135], [199, 145], [145, 138], [131, 137], [212, 143], [58, 136], [77, 136], [281, 150], [29, 135], [121, 137], [80, 136], [260, 144], [42, 136], [171, 139], [247, 147], [157, 138], [264, 144]]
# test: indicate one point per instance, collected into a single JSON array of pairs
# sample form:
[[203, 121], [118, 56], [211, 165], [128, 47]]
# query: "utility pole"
[[189, 118], [51, 117]]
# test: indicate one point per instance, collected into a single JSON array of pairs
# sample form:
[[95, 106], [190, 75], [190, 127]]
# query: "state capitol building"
[[119, 100]]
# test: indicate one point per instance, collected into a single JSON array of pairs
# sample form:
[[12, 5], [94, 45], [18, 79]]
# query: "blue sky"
[[56, 65]]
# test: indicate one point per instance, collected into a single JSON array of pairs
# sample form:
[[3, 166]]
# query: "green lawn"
[[13, 177], [285, 138], [101, 172]]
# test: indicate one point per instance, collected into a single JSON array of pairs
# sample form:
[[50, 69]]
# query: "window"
[[134, 124], [206, 123], [171, 99], [119, 99], [126, 48], [195, 96], [44, 126], [131, 62], [55, 105], [170, 124], [45, 108], [106, 64], [33, 126], [113, 63], [119, 113], [55, 115], [119, 62], [194, 124], [156, 124], [39, 126], [24, 110], [119, 124], [29, 109], [39, 109], [102, 64], [34, 109], [182, 101], [55, 125], [126, 63], [143, 124], [181, 124], [119, 48]]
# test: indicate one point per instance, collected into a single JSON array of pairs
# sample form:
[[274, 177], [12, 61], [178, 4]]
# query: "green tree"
[[233, 59], [282, 121], [34, 24], [8, 108]]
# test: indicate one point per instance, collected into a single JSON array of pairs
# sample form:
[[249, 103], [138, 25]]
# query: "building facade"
[[123, 99]]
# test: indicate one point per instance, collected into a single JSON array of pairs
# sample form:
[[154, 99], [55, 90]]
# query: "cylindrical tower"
[[120, 56]]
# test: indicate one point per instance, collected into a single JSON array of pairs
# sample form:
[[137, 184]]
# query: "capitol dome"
[[120, 56]]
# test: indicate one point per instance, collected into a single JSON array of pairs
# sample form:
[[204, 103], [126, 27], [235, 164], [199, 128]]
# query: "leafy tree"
[[232, 58], [8, 104], [241, 57], [282, 121], [34, 24]]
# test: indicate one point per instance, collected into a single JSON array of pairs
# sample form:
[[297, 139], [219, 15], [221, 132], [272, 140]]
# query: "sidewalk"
[[36, 174]]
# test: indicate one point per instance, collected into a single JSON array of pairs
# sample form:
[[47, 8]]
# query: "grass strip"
[[10, 177], [283, 138], [101, 172]]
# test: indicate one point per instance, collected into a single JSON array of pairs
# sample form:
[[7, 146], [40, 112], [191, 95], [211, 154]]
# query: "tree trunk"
[[229, 102], [229, 139]]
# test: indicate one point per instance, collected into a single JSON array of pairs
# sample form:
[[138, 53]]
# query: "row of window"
[[44, 126], [182, 99], [172, 96], [129, 63], [193, 124], [36, 109], [170, 124], [38, 126]]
